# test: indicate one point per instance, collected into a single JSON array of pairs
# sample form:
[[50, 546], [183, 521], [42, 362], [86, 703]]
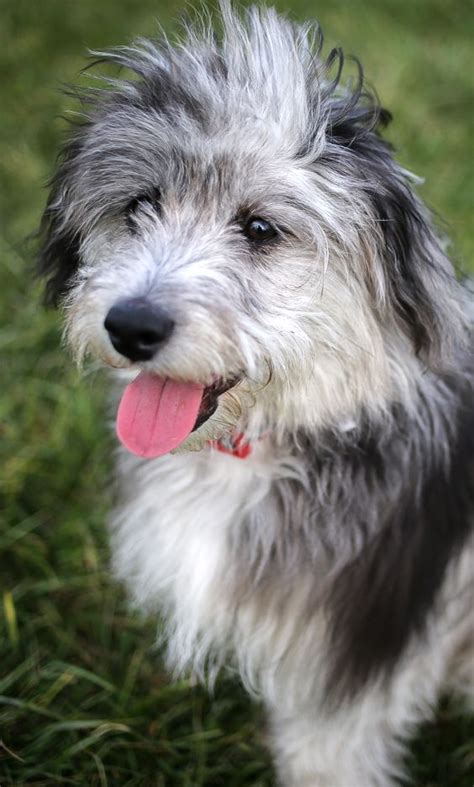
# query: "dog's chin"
[[199, 438], [218, 418]]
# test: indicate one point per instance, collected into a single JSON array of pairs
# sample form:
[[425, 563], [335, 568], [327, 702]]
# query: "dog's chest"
[[173, 536], [196, 539]]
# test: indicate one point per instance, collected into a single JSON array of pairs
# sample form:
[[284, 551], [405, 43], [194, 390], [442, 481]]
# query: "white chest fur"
[[171, 541], [174, 545]]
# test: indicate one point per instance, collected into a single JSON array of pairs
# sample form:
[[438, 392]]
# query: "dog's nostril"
[[148, 337], [137, 328]]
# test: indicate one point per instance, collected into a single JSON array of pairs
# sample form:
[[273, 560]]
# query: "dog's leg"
[[342, 751], [461, 675], [357, 747], [361, 743]]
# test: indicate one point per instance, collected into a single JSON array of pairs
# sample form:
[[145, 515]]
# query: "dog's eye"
[[150, 199], [259, 230]]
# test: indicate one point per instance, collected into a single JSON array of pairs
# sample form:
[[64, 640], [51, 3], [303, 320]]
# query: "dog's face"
[[219, 222]]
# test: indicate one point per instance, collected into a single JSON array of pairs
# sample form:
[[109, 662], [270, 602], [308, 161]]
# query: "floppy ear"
[[419, 277], [416, 269], [58, 255]]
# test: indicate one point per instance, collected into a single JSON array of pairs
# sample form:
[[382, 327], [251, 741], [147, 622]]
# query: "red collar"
[[235, 445]]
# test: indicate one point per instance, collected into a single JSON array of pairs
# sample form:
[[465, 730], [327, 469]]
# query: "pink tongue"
[[155, 415]]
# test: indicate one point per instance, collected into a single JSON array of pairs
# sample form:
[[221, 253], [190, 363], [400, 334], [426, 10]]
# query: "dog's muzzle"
[[156, 414]]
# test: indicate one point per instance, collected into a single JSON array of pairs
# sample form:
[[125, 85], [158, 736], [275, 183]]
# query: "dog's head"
[[229, 224]]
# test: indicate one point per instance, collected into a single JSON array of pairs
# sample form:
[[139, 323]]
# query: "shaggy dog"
[[229, 230]]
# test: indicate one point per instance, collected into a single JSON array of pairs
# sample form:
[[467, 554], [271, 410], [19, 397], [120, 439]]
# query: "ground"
[[84, 699]]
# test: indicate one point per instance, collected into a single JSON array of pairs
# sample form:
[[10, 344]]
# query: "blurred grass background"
[[83, 696]]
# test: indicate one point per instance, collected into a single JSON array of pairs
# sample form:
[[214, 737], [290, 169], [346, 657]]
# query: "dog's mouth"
[[157, 414], [209, 401]]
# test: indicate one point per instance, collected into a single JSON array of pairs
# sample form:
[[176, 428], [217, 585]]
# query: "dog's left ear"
[[419, 277], [417, 273], [58, 257]]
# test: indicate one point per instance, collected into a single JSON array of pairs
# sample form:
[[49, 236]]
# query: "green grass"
[[84, 699]]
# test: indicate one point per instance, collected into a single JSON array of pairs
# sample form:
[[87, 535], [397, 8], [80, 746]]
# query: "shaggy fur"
[[334, 566]]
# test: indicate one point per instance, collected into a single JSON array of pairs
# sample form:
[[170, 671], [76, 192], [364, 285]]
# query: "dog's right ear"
[[58, 256]]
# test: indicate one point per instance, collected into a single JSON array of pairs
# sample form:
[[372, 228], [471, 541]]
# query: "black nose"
[[137, 329]]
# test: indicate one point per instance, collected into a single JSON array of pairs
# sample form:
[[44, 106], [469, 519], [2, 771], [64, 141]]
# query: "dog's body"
[[215, 539], [311, 306]]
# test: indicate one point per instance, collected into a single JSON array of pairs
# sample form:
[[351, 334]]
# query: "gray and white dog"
[[229, 230]]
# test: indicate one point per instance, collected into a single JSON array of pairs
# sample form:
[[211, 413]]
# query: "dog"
[[228, 231]]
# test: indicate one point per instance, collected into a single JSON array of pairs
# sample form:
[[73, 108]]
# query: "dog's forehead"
[[128, 151]]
